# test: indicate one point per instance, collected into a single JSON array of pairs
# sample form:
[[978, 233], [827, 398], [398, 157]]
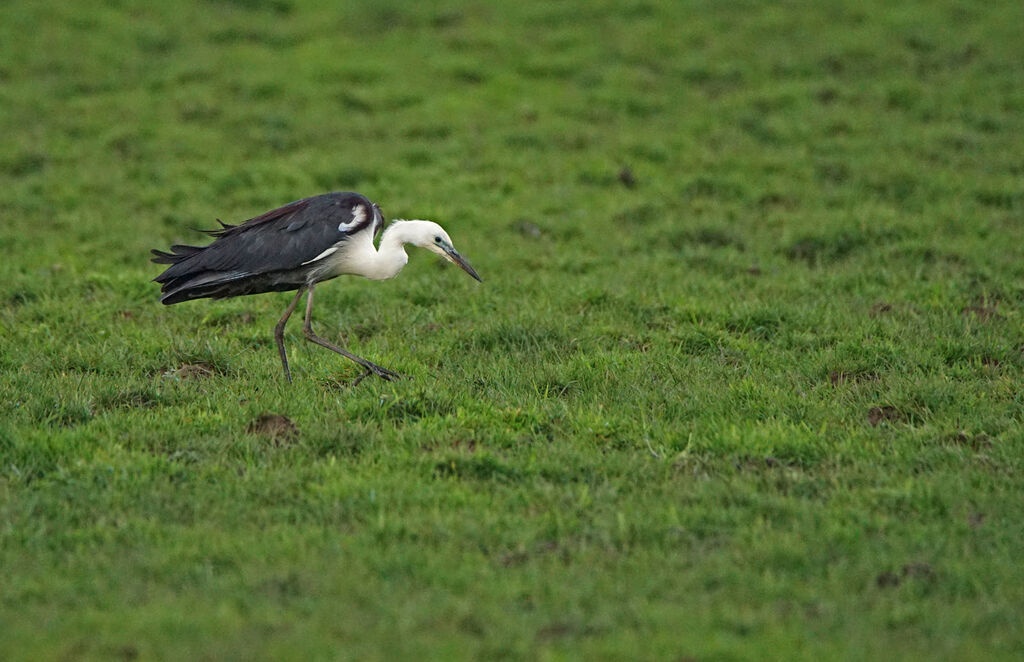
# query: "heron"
[[296, 247]]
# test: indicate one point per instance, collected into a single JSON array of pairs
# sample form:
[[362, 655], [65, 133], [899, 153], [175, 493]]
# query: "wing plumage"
[[271, 252]]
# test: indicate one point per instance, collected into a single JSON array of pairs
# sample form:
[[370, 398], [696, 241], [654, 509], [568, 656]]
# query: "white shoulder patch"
[[358, 217]]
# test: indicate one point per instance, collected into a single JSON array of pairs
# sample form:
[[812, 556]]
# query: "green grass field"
[[743, 380]]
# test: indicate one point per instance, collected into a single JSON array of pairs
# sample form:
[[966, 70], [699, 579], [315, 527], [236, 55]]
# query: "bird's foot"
[[383, 373], [360, 378], [374, 369]]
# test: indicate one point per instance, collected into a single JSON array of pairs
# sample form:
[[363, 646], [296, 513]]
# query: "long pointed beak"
[[461, 261]]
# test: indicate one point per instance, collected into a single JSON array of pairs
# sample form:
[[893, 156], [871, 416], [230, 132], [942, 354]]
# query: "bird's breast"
[[357, 256]]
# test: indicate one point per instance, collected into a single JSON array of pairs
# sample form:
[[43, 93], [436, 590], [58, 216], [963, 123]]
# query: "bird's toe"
[[385, 374]]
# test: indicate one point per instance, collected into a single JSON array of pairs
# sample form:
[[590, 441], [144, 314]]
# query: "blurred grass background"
[[742, 380]]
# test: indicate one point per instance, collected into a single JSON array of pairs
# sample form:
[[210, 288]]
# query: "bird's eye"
[[437, 240]]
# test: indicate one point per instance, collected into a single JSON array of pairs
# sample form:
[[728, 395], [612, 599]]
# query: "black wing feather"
[[264, 253]]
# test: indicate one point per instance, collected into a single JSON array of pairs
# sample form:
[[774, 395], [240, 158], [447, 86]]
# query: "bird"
[[296, 247]]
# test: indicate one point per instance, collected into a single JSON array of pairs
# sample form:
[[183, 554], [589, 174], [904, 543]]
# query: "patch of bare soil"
[[279, 428]]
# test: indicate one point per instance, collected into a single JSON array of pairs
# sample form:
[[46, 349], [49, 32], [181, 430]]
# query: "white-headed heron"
[[294, 248]]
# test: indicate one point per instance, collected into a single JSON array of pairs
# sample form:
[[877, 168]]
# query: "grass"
[[743, 380]]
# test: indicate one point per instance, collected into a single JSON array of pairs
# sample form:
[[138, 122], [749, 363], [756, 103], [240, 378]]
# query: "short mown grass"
[[743, 380]]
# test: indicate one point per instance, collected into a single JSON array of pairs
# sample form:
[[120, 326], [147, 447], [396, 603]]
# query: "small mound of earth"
[[192, 371], [884, 414], [880, 308], [277, 427]]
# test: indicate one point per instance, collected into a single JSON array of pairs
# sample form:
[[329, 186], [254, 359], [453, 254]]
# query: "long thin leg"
[[279, 334], [307, 328]]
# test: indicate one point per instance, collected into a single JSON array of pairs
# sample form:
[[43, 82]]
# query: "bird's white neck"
[[390, 257]]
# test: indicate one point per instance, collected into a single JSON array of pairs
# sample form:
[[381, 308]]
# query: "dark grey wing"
[[254, 256]]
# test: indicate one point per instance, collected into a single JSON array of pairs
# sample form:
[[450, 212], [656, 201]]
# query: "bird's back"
[[276, 251]]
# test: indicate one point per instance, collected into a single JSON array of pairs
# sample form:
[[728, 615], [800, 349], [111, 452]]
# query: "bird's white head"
[[430, 235]]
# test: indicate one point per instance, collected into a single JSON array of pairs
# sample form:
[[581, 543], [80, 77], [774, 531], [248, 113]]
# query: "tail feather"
[[185, 251], [205, 284], [185, 279], [190, 293], [179, 252], [163, 258], [217, 232], [244, 264]]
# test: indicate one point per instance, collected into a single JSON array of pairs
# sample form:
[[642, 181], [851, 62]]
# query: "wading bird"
[[294, 248]]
